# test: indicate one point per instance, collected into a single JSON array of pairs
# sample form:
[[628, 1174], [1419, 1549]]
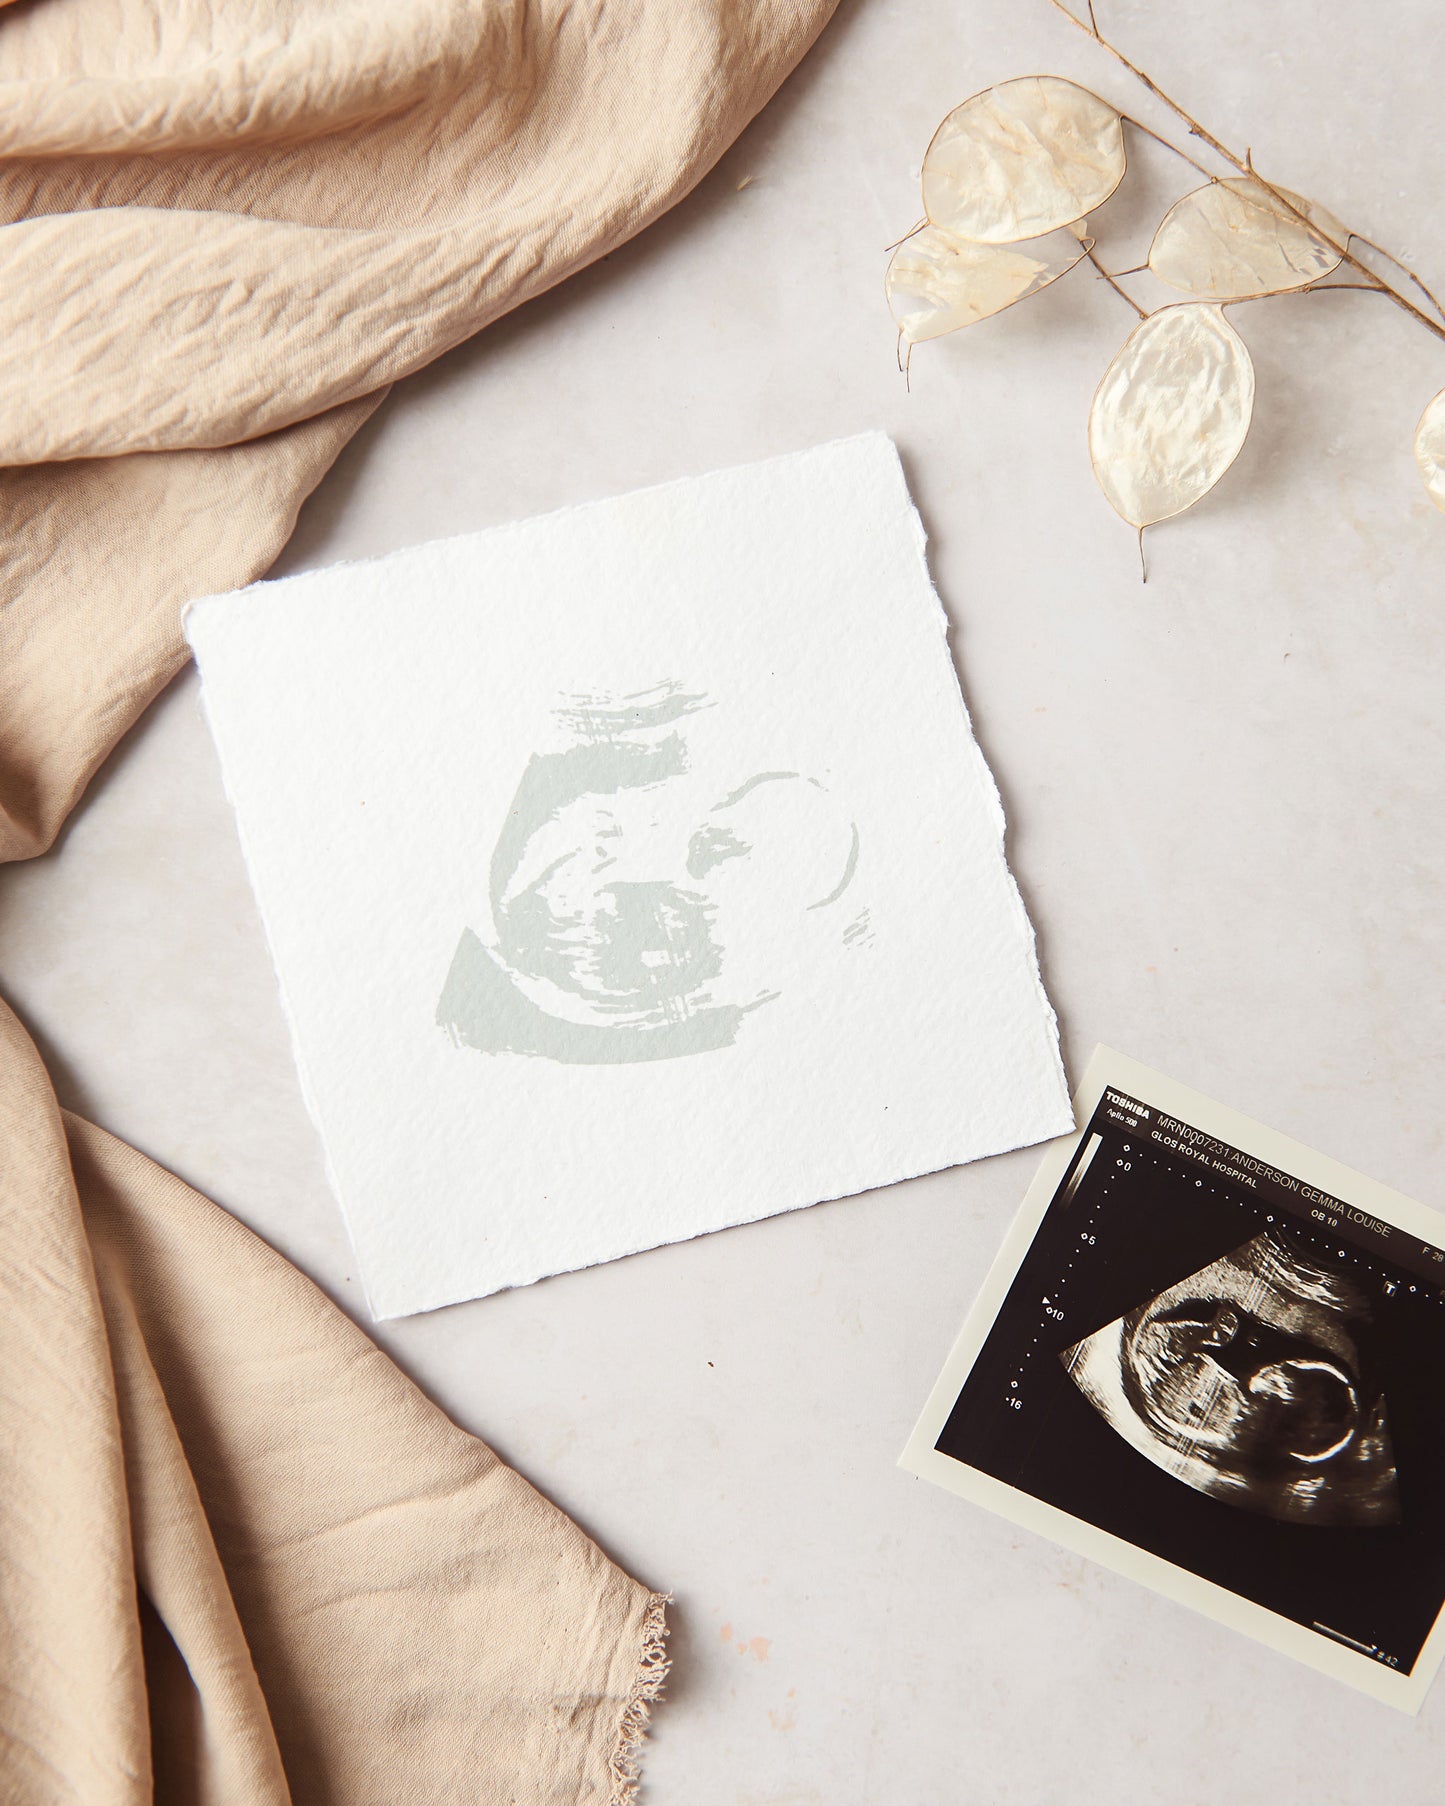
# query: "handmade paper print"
[[629, 873], [1211, 1359]]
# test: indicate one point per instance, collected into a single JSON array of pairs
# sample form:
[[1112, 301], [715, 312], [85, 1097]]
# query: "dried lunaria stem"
[[1245, 167], [1009, 181]]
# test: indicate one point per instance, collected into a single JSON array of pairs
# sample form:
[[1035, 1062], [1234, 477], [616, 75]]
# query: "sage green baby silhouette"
[[636, 914]]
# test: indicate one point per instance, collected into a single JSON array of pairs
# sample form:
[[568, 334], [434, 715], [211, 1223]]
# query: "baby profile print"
[[639, 909]]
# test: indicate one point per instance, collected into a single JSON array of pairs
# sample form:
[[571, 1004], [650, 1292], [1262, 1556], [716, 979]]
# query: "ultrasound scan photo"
[[1197, 1361], [1251, 1381]]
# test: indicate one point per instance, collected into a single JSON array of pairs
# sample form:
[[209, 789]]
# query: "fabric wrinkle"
[[243, 1560]]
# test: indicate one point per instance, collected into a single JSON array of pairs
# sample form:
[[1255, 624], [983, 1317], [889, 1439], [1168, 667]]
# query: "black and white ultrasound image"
[[1247, 1386]]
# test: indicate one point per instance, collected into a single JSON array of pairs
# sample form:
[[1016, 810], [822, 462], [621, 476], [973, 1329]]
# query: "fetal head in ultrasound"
[[1252, 1380], [1226, 1368]]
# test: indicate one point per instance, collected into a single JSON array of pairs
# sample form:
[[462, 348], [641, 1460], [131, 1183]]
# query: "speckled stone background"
[[1225, 793]]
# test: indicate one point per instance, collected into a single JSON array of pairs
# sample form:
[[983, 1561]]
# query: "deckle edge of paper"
[[303, 1076], [386, 1313], [198, 607]]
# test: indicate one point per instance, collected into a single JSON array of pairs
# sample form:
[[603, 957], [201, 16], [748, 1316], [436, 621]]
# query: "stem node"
[[1245, 166]]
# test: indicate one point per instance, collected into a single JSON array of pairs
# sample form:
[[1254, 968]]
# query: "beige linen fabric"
[[220, 220], [342, 1593], [243, 1562]]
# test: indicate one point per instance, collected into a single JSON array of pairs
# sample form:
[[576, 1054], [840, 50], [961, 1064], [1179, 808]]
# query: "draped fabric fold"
[[218, 222], [97, 559], [243, 1561], [237, 1539]]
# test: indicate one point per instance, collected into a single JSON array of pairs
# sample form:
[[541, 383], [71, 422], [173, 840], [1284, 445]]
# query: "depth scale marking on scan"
[[1215, 1360]]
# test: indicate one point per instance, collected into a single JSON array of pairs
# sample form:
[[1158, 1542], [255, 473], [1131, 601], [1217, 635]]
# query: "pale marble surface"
[[1224, 794]]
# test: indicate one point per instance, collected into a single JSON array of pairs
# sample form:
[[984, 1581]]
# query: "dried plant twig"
[[1010, 180], [1123, 294], [1404, 270], [1169, 145], [1245, 166]]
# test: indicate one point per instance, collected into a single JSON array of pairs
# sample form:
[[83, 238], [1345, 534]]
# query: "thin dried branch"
[[1314, 288], [1009, 181], [1123, 295], [912, 232], [1245, 166], [1159, 138], [1147, 81], [1404, 270]]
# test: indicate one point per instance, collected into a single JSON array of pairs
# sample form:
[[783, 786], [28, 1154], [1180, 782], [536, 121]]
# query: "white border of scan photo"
[[1107, 1068]]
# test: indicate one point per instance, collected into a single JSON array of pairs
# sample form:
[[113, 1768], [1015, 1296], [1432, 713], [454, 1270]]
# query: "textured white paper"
[[629, 873]]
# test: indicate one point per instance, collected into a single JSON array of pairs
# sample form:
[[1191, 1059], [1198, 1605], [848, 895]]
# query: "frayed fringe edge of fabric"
[[625, 1764]]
